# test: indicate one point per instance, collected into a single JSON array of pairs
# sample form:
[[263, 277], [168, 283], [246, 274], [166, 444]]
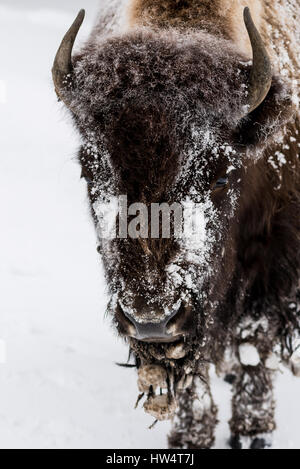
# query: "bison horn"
[[62, 67], [261, 72]]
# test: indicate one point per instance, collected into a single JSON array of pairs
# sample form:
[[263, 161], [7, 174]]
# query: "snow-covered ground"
[[59, 387]]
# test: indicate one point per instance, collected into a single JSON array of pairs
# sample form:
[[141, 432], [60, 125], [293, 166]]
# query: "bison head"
[[179, 119]]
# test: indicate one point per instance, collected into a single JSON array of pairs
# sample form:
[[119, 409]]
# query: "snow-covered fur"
[[159, 96]]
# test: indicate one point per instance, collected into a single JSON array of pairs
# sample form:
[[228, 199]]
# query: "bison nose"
[[170, 329]]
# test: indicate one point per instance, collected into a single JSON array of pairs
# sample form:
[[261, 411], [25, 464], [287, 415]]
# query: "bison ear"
[[261, 125]]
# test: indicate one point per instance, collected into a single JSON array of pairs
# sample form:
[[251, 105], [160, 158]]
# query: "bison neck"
[[218, 17]]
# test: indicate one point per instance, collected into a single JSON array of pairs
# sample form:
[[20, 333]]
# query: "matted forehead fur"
[[144, 92], [190, 68]]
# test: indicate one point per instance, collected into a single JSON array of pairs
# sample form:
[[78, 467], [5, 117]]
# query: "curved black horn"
[[261, 72], [62, 66]]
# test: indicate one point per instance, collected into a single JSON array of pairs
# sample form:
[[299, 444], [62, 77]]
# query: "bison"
[[196, 101]]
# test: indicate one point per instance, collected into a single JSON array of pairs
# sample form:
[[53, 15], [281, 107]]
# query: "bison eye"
[[222, 182]]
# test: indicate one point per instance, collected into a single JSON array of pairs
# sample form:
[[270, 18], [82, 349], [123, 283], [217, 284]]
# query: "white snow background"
[[59, 386]]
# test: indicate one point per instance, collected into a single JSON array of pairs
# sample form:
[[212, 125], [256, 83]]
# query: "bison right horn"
[[63, 67], [261, 72]]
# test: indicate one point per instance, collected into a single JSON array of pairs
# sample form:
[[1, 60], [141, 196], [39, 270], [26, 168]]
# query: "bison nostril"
[[168, 330], [125, 326], [183, 320]]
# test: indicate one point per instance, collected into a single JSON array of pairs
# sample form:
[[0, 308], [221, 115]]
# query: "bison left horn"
[[63, 68], [261, 72]]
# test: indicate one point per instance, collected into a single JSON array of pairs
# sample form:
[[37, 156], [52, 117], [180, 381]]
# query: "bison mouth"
[[160, 340], [173, 342], [179, 354]]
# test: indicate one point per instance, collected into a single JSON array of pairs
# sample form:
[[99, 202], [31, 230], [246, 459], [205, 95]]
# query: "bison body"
[[172, 109]]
